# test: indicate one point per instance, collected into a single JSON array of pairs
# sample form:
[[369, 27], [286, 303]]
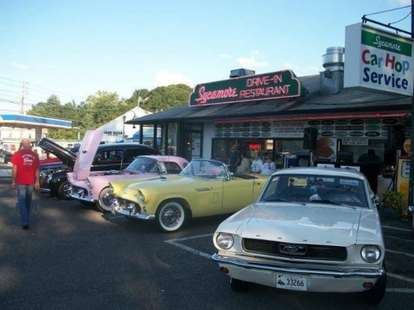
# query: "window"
[[108, 157], [172, 168], [172, 139], [144, 165], [131, 154], [319, 189]]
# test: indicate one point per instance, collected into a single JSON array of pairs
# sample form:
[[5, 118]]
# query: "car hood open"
[[66, 156], [87, 152], [306, 224]]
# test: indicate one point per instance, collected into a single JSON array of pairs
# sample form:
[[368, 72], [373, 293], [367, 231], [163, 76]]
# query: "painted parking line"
[[400, 290], [176, 243], [402, 239], [399, 277], [401, 253], [397, 228]]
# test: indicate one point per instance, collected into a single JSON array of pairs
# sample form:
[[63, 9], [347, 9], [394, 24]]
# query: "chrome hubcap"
[[172, 216]]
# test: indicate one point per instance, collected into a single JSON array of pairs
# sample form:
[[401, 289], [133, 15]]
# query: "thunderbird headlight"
[[370, 253], [224, 241]]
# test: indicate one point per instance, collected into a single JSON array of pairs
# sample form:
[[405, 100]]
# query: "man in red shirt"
[[25, 177]]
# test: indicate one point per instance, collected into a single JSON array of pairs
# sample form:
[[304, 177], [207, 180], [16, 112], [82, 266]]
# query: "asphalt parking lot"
[[75, 257]]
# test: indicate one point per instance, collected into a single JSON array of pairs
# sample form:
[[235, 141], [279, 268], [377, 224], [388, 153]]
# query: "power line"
[[389, 10], [401, 19]]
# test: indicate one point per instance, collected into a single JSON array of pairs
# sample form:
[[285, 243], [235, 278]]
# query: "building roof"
[[348, 100]]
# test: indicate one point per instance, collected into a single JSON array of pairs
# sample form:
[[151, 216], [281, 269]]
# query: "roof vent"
[[332, 79], [235, 73], [333, 60]]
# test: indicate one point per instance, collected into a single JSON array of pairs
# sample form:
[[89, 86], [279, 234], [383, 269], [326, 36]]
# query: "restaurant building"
[[270, 113]]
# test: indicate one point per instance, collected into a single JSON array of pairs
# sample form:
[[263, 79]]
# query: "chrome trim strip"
[[145, 217], [87, 199], [337, 274]]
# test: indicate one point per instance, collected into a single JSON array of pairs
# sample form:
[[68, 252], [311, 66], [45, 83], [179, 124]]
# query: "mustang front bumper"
[[317, 280]]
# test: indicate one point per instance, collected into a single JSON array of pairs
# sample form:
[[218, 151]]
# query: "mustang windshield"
[[334, 190], [205, 169], [143, 165]]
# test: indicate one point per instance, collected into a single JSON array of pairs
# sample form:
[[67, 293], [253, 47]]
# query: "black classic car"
[[115, 156]]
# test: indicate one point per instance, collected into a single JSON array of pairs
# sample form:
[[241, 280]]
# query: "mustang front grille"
[[294, 250]]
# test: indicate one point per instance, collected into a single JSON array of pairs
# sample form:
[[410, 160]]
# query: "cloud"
[[301, 70], [253, 61], [403, 2], [225, 56], [164, 78], [19, 66]]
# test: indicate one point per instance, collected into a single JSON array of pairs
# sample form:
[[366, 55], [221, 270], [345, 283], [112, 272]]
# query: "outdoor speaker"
[[309, 138]]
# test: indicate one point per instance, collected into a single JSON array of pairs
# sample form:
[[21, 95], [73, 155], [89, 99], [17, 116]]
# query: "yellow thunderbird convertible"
[[203, 188]]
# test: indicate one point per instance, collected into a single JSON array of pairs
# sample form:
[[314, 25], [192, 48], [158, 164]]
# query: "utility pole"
[[411, 180], [22, 109]]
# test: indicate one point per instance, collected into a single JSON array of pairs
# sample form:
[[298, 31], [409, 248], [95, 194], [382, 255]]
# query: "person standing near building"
[[268, 166], [257, 163], [25, 178], [235, 158]]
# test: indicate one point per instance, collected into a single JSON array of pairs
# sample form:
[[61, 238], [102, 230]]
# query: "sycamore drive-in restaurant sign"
[[275, 85], [378, 59]]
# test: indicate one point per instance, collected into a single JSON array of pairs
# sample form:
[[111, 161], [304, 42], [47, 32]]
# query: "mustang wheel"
[[238, 285], [171, 216], [105, 200], [63, 191]]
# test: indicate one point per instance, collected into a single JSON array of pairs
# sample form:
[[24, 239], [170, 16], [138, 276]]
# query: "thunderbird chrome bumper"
[[79, 193], [130, 211]]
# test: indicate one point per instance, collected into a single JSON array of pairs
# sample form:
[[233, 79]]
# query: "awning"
[[31, 121], [313, 117]]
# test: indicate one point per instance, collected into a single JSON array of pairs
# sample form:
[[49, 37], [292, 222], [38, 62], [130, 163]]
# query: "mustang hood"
[[87, 152], [66, 156], [307, 224]]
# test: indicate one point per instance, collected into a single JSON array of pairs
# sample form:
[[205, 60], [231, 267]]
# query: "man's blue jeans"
[[24, 202]]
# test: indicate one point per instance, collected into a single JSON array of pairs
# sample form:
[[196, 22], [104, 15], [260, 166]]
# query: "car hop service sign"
[[378, 59], [275, 85]]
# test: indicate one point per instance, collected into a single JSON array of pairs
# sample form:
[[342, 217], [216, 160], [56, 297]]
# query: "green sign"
[[394, 44], [275, 85]]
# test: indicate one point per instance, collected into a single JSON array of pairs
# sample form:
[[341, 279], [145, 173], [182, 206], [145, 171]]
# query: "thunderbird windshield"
[[330, 190], [205, 169], [143, 165]]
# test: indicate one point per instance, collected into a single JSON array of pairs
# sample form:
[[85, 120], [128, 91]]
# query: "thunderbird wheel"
[[105, 200], [171, 216]]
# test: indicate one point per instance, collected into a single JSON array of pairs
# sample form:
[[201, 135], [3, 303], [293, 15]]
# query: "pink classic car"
[[93, 187]]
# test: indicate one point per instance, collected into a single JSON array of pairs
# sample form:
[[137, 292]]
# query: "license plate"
[[291, 282]]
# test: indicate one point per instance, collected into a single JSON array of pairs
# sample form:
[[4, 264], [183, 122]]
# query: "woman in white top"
[[268, 166], [257, 164]]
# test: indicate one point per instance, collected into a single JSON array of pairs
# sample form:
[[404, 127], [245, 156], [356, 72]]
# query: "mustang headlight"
[[224, 241], [370, 253]]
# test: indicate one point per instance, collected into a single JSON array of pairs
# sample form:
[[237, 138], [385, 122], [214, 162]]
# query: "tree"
[[165, 97]]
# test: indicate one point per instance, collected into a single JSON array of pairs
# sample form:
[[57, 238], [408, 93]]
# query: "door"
[[237, 194], [192, 141], [207, 198]]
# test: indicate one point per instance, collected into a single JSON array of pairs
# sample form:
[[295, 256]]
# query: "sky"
[[75, 48]]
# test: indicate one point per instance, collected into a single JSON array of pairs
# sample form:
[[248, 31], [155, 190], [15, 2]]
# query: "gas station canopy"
[[31, 121]]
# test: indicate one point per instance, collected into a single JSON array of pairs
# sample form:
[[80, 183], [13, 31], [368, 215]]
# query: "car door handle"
[[203, 189]]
